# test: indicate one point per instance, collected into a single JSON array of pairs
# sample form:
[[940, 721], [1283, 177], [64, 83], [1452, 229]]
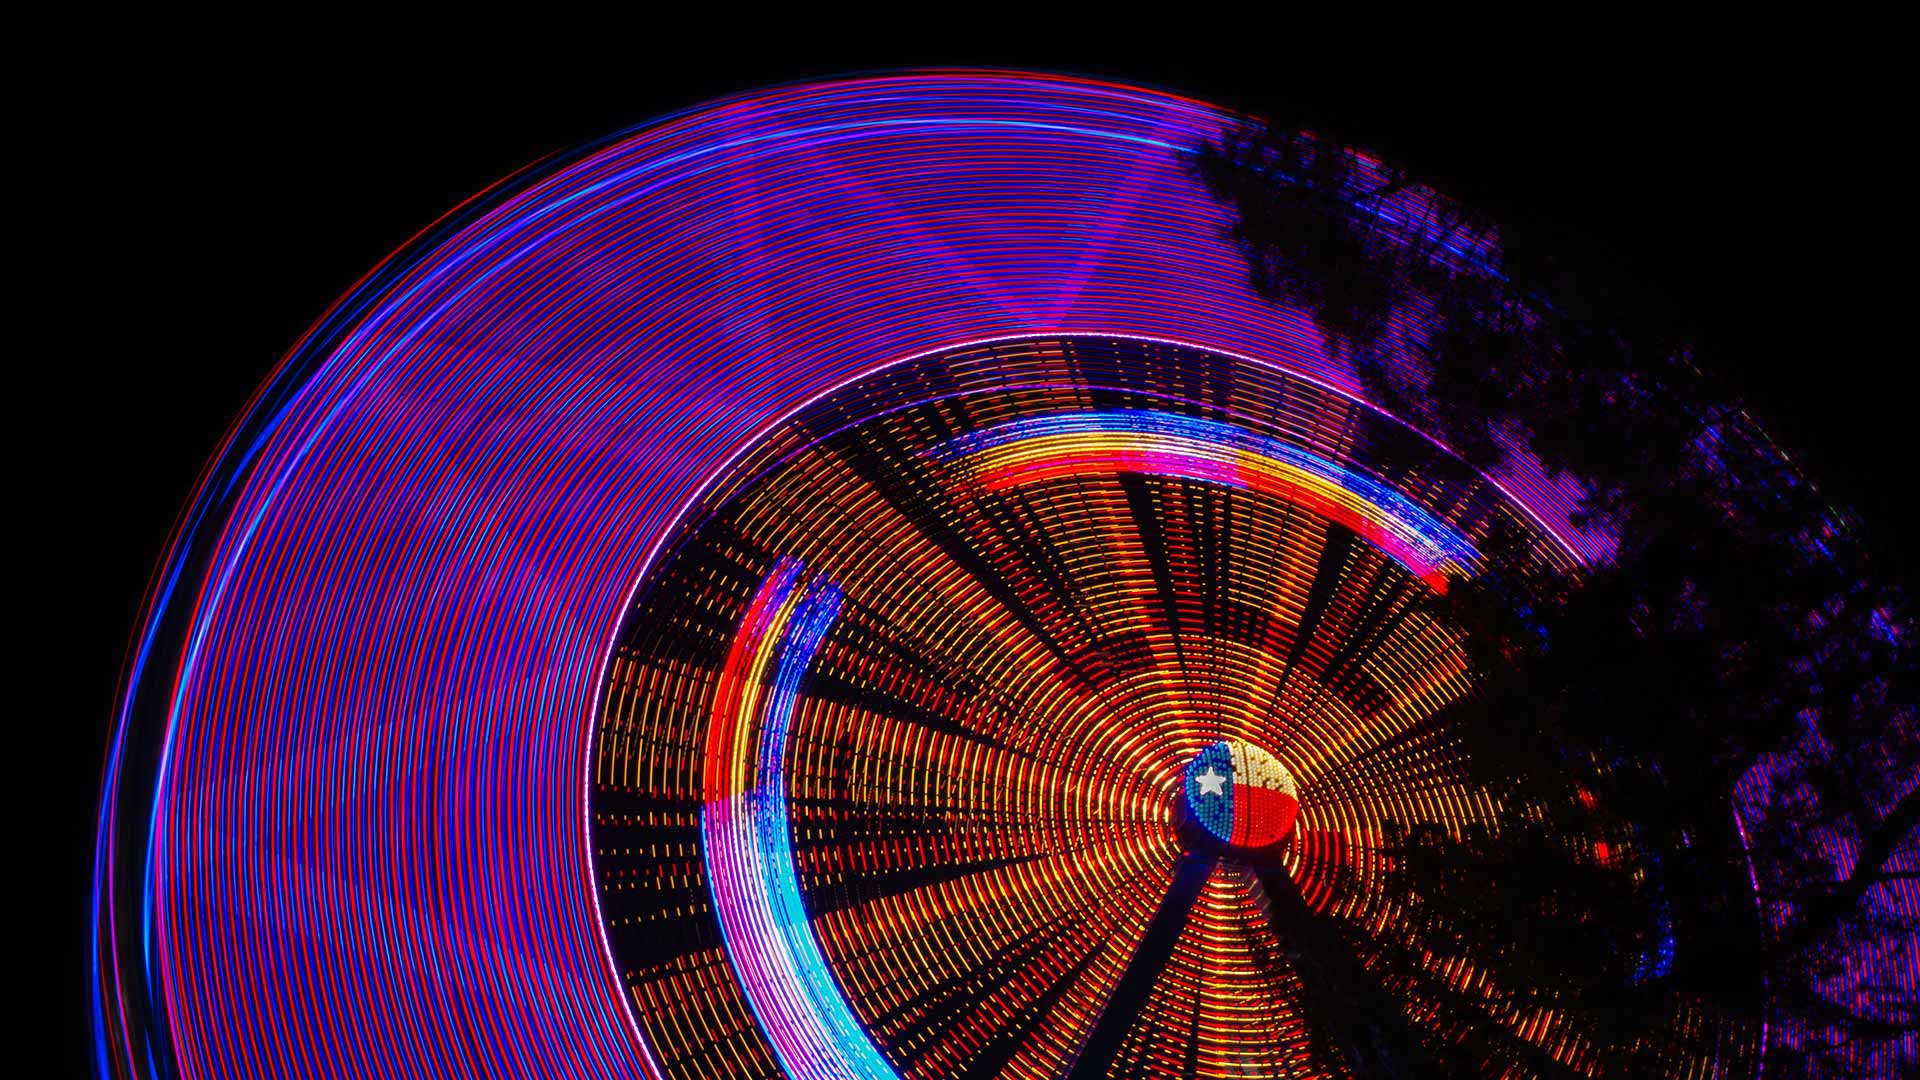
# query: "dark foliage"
[[1706, 746]]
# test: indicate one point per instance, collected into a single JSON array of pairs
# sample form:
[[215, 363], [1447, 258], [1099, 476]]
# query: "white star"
[[1211, 782]]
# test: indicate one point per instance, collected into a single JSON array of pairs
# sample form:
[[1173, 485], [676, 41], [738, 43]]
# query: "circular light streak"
[[343, 825]]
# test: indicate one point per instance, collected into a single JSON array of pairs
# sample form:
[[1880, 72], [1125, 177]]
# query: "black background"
[[210, 200]]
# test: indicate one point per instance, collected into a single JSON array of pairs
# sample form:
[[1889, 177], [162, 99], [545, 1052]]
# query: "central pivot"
[[1241, 795]]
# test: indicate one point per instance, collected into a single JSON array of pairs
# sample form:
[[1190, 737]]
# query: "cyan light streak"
[[749, 847]]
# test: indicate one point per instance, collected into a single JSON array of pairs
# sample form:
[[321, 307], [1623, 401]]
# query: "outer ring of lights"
[[337, 840]]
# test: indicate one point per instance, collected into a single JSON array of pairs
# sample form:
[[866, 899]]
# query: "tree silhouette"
[[1706, 745]]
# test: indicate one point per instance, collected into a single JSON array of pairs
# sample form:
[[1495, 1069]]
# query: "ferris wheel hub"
[[1240, 795]]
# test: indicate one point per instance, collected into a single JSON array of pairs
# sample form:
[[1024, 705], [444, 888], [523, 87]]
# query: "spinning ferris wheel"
[[845, 582]]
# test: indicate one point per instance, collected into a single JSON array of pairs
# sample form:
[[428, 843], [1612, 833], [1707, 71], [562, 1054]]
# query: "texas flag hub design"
[[1241, 794]]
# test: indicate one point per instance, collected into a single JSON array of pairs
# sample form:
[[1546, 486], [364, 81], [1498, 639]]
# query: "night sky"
[[226, 202]]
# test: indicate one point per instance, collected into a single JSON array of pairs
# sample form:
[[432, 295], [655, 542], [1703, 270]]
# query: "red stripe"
[[1261, 815]]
